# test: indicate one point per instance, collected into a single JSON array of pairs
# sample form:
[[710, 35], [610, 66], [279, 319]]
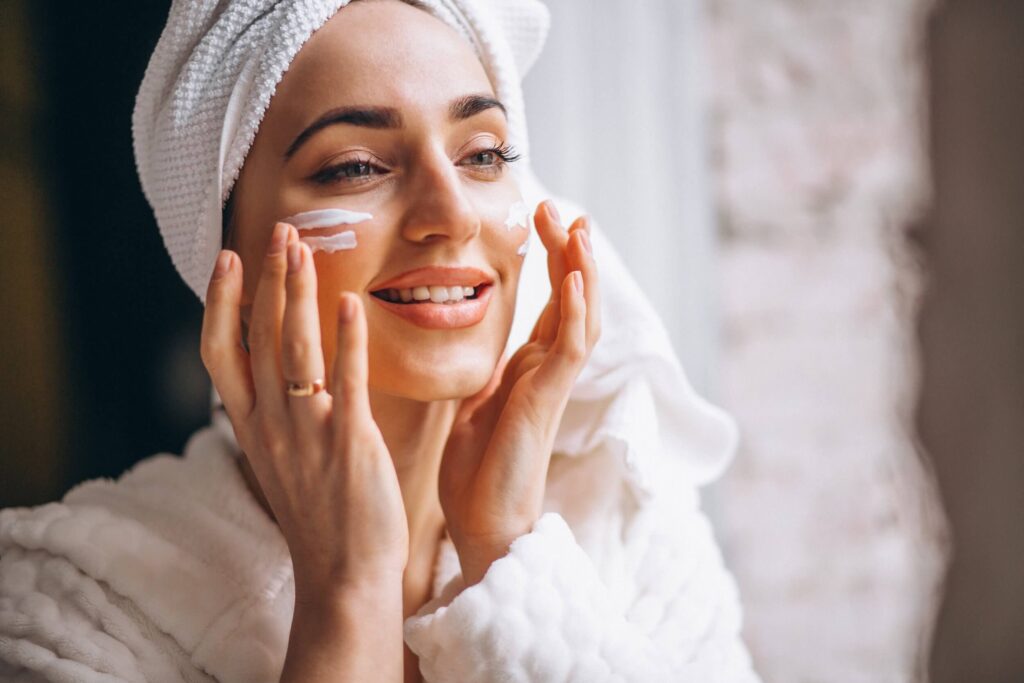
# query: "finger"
[[583, 260], [564, 360], [535, 333], [265, 324], [350, 374], [302, 357], [554, 238], [220, 343]]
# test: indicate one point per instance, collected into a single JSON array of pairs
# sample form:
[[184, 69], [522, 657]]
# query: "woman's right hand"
[[320, 460]]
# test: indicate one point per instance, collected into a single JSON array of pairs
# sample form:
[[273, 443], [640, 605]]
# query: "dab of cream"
[[525, 246], [322, 219], [519, 215]]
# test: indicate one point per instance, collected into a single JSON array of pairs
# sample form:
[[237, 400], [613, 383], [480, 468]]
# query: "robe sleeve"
[[58, 625], [544, 614]]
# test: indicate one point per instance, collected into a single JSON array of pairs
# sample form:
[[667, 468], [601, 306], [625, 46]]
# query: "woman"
[[387, 492]]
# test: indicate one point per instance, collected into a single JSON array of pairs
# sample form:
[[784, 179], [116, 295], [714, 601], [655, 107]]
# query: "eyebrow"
[[389, 118]]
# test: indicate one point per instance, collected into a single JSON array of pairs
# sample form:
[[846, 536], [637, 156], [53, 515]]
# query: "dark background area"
[[132, 382]]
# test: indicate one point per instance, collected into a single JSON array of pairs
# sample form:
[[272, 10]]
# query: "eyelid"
[[504, 153]]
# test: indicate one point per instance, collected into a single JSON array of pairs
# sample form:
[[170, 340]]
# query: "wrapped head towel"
[[209, 83]]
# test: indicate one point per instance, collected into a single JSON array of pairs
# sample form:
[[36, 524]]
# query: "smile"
[[436, 306]]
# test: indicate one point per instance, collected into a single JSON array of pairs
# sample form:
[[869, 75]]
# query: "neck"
[[415, 433]]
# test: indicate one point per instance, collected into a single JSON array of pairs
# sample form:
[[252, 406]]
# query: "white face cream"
[[520, 216], [322, 219]]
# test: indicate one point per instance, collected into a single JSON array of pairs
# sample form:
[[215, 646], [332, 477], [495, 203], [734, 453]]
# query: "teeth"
[[433, 293], [438, 294]]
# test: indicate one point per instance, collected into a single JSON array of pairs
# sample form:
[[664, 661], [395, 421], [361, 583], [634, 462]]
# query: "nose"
[[439, 207]]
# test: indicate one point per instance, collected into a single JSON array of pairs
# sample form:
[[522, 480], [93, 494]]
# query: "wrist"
[[350, 596]]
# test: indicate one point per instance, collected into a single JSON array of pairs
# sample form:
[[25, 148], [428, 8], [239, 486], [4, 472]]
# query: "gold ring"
[[305, 388]]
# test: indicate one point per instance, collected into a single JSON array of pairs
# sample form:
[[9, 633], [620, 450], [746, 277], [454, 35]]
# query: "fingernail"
[[549, 206], [278, 238], [577, 281], [222, 265], [346, 309], [294, 257], [585, 238]]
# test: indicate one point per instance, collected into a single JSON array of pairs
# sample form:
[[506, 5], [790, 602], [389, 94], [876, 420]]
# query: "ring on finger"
[[305, 388]]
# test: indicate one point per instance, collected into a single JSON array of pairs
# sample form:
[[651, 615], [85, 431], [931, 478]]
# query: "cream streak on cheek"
[[323, 219], [519, 216]]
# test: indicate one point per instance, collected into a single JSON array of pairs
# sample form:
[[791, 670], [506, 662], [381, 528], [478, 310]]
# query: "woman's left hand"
[[494, 468]]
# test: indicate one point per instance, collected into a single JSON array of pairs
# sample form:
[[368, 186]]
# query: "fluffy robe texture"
[[175, 573]]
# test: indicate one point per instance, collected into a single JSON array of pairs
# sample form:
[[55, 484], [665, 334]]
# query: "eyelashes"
[[360, 170]]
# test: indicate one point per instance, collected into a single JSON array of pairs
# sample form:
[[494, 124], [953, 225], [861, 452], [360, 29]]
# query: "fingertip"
[[552, 211], [222, 265], [346, 308], [571, 291]]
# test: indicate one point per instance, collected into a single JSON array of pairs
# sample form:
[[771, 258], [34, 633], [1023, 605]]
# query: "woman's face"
[[425, 171]]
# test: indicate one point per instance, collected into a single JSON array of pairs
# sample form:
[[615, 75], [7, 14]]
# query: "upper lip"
[[437, 275]]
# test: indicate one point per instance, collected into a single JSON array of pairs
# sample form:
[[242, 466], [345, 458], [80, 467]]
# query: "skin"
[[419, 430]]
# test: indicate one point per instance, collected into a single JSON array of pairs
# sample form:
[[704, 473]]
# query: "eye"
[[354, 171], [493, 159]]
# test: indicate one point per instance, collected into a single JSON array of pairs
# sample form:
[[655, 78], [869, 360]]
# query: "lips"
[[446, 276], [435, 316]]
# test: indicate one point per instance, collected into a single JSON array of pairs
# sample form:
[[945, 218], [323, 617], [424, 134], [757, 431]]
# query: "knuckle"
[[261, 336], [297, 352], [273, 441], [210, 353], [573, 353], [357, 436]]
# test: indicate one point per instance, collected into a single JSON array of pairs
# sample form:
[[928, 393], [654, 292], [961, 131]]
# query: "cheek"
[[508, 223]]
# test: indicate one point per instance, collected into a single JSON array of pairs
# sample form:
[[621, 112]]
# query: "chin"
[[437, 381]]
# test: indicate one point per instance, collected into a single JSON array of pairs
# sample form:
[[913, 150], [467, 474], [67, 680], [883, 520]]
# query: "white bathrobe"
[[175, 573]]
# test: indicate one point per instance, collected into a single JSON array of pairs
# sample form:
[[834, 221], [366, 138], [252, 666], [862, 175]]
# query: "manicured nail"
[[294, 257], [549, 206], [223, 263], [577, 281], [278, 238], [585, 238], [346, 309]]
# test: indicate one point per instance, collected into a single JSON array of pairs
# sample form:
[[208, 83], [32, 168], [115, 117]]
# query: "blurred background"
[[825, 202]]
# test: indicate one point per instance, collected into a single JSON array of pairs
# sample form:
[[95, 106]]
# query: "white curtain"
[[616, 125]]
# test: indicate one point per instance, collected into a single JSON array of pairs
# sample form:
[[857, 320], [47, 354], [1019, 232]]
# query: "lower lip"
[[433, 316]]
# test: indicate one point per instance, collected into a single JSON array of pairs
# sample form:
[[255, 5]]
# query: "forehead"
[[381, 52]]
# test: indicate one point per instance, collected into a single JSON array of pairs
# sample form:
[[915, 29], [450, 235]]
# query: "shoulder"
[[176, 546]]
